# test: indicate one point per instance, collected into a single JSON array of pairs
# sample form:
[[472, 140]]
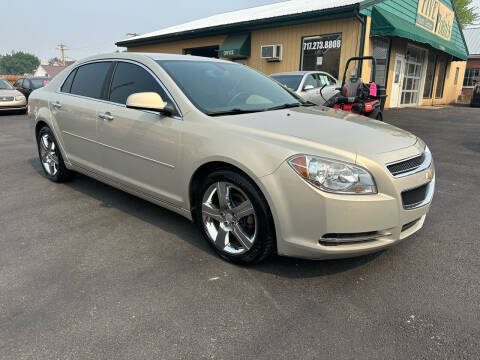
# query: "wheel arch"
[[207, 168], [40, 123]]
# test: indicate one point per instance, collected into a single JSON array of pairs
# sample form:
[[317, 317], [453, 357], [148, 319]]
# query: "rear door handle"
[[105, 116], [57, 105]]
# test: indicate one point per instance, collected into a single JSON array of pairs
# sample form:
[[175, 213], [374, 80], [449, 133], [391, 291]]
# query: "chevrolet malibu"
[[258, 169]]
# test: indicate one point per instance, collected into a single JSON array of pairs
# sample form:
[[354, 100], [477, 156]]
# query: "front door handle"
[[105, 116], [57, 105]]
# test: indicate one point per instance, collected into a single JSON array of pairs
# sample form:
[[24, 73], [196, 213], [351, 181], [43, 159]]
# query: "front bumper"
[[13, 105], [314, 224]]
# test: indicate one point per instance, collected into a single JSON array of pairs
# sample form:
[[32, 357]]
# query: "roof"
[[472, 37], [141, 56], [52, 70], [244, 16]]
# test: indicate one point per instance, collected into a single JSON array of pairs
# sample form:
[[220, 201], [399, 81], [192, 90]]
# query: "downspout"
[[361, 18]]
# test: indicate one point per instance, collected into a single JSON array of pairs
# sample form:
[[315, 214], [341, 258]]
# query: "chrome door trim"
[[120, 150], [59, 89]]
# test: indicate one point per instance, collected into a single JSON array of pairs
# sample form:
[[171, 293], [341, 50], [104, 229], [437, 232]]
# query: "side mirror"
[[308, 87], [147, 101]]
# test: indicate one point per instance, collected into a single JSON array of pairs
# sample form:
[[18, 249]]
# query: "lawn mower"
[[358, 97]]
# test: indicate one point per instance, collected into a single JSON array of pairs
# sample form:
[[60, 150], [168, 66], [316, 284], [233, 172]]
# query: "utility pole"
[[62, 48]]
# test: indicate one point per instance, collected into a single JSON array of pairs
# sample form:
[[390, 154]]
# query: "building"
[[418, 44], [48, 70], [472, 72]]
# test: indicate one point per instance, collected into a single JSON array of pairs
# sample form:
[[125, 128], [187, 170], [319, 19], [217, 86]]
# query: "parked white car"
[[308, 84]]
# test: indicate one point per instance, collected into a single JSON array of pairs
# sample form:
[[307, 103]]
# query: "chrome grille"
[[7, 98], [406, 166]]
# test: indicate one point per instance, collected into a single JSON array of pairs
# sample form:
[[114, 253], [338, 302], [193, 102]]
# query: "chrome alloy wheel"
[[48, 154], [229, 218]]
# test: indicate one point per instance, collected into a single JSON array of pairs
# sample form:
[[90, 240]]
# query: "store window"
[[442, 72], [430, 75], [457, 70], [471, 76], [381, 53], [322, 53]]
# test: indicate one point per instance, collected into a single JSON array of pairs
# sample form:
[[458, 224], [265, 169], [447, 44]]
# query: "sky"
[[90, 27]]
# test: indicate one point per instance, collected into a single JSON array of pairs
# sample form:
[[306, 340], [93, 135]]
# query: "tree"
[[467, 13], [54, 61], [18, 63]]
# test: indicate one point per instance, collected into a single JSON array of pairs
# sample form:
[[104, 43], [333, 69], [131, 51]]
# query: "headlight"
[[19, 98], [333, 176]]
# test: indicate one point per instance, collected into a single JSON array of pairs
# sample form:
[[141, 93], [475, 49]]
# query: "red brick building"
[[472, 72]]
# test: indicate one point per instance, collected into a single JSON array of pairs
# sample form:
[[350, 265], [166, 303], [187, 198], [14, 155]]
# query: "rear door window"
[[89, 80], [67, 85], [129, 79]]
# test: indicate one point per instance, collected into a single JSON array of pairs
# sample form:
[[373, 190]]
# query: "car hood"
[[10, 92], [333, 128]]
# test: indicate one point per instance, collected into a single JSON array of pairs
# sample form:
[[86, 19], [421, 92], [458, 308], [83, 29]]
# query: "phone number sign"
[[322, 42]]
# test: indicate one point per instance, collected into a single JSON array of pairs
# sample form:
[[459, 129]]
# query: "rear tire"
[[51, 158], [234, 218]]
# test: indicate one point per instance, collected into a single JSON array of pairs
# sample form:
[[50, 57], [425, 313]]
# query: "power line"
[[62, 48]]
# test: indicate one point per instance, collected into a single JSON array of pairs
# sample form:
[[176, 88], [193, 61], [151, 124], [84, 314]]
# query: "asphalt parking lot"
[[90, 272]]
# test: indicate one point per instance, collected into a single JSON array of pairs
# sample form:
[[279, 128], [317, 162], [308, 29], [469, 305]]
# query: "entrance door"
[[412, 80], [397, 80]]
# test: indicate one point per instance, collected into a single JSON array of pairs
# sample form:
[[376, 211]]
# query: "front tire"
[[51, 158], [234, 218]]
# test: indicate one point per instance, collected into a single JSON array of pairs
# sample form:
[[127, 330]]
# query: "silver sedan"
[[314, 86]]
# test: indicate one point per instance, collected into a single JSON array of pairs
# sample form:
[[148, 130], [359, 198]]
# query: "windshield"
[[218, 87], [38, 83], [5, 85], [290, 81]]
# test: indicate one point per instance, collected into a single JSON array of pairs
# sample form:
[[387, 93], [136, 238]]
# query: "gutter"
[[361, 51], [308, 17]]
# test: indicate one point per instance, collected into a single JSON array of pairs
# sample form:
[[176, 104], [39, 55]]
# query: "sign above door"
[[436, 17]]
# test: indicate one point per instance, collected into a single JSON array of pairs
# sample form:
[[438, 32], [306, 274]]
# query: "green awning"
[[384, 23], [235, 46]]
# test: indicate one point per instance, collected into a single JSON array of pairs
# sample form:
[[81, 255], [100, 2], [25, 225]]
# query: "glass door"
[[412, 80]]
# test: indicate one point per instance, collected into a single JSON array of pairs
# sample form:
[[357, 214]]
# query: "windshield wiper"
[[288, 106], [234, 111], [284, 106]]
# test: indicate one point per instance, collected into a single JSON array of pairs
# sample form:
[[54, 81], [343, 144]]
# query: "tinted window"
[[38, 83], [67, 85], [18, 84], [130, 79], [26, 84], [89, 80]]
